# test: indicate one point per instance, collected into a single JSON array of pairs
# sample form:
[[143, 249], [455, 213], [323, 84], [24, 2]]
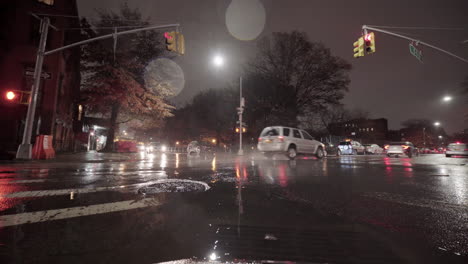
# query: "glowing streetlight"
[[213, 141], [447, 98], [440, 137], [436, 123], [177, 143], [218, 61]]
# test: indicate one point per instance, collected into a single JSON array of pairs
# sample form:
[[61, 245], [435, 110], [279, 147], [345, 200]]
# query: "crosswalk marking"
[[65, 213]]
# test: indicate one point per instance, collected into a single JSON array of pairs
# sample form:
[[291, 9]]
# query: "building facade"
[[57, 106], [364, 130]]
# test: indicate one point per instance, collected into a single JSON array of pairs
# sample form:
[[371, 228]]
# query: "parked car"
[[332, 150], [373, 149], [401, 148], [456, 149], [292, 141], [351, 147]]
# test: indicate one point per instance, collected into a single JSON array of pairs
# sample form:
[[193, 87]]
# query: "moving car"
[[152, 147], [351, 147], [292, 141], [332, 150], [373, 149], [456, 149], [401, 148]]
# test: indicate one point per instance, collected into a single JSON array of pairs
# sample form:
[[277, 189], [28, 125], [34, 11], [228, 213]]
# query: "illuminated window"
[[372, 129], [80, 112], [47, 2]]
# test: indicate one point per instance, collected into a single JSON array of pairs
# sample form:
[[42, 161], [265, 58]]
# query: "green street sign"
[[415, 52]]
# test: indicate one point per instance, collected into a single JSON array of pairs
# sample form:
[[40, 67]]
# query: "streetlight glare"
[[437, 124], [218, 60], [447, 98]]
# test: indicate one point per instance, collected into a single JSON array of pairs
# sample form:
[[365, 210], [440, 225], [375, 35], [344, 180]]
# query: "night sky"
[[390, 83]]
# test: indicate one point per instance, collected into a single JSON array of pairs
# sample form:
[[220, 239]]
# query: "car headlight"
[[163, 148], [150, 148]]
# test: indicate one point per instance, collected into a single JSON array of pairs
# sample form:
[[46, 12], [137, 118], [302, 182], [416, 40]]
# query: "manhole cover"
[[175, 185]]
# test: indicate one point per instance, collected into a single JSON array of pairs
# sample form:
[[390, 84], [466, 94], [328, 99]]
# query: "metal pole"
[[424, 136], [24, 150], [109, 36], [241, 107], [364, 27]]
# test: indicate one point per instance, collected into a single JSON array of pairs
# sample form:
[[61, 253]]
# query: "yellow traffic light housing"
[[171, 44], [369, 40], [359, 48], [175, 42], [180, 43]]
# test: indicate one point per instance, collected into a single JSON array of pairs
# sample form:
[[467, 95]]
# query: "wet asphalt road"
[[129, 208]]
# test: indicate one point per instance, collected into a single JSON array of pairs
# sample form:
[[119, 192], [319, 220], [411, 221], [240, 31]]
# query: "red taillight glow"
[[259, 139], [405, 146]]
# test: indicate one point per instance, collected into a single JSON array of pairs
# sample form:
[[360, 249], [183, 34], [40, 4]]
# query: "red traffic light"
[[10, 95], [168, 36], [368, 37]]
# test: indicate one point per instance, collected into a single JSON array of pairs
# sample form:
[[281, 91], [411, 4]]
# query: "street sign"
[[44, 75], [415, 51]]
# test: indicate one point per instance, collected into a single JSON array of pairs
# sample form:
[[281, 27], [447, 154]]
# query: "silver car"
[[292, 141], [456, 149], [401, 148], [373, 149]]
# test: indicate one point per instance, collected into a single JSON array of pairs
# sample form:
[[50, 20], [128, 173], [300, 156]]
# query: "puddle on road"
[[174, 185]]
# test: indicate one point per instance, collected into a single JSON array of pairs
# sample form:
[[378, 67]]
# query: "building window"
[[367, 129], [80, 112], [372, 129], [47, 2]]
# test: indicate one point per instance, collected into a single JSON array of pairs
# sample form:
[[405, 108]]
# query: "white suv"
[[292, 141]]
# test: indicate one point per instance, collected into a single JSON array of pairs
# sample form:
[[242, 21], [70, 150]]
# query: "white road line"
[[22, 181], [42, 193], [65, 213], [45, 193]]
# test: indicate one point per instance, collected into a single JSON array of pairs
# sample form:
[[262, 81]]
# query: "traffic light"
[[369, 40], [359, 48], [180, 43], [175, 42], [17, 97], [243, 129], [171, 44]]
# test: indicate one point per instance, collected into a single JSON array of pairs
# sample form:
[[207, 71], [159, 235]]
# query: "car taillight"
[[279, 139], [386, 146], [405, 146]]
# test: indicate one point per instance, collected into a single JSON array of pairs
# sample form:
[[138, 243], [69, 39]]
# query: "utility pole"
[[241, 110], [424, 136], [24, 150]]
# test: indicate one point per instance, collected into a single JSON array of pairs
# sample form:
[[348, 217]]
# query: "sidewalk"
[[81, 157]]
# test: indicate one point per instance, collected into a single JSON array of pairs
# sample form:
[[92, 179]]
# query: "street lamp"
[[447, 98], [218, 61], [436, 124], [440, 137]]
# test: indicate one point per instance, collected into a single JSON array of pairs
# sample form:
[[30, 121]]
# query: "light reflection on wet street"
[[151, 207]]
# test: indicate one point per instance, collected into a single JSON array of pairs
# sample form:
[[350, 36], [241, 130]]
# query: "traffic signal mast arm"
[[110, 36], [365, 28]]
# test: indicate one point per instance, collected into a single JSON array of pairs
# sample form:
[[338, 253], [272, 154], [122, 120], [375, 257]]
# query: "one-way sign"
[[44, 75]]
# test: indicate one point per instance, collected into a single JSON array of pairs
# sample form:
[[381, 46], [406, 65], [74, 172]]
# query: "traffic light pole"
[[25, 149], [241, 110], [365, 28]]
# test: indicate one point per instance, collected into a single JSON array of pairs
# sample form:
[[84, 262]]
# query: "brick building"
[[59, 90], [365, 130]]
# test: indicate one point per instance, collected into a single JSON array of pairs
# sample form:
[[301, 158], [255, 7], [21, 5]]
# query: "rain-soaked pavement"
[[129, 208]]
